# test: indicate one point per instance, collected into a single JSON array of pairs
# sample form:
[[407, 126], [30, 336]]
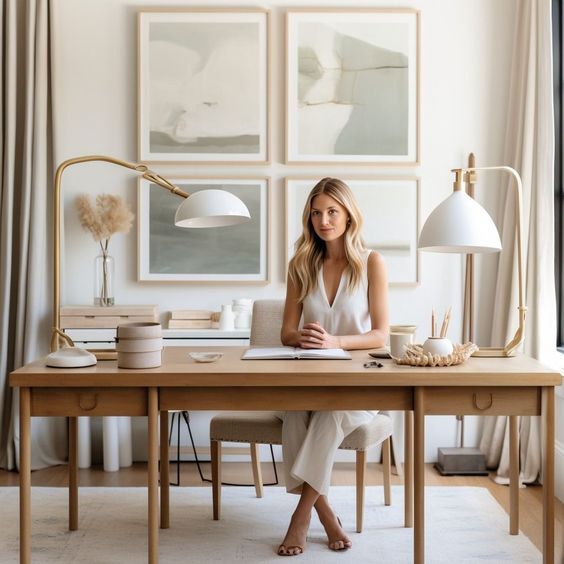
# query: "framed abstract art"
[[203, 86], [237, 253], [352, 86]]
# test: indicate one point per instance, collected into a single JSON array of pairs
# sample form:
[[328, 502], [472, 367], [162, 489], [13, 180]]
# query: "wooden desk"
[[516, 386]]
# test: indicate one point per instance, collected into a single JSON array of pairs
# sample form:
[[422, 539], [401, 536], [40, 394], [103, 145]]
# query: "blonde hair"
[[310, 250]]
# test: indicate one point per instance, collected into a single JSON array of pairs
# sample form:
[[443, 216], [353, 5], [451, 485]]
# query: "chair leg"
[[257, 474], [387, 469], [360, 483], [173, 418], [216, 478], [398, 467]]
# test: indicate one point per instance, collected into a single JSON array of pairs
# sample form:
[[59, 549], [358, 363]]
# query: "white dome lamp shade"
[[211, 208], [459, 225]]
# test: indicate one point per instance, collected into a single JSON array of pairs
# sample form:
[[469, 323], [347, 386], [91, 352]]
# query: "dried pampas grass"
[[109, 215]]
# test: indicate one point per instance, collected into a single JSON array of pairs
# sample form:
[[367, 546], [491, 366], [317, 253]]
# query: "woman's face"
[[328, 217]]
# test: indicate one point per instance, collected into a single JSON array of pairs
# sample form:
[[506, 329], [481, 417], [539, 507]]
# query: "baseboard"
[[559, 470]]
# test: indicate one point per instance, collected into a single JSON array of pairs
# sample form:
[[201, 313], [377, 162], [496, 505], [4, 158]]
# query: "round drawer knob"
[[484, 403], [88, 401]]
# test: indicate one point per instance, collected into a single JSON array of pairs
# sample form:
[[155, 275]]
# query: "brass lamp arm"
[[137, 167], [511, 347]]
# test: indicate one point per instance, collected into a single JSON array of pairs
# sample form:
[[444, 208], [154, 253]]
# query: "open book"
[[283, 353]]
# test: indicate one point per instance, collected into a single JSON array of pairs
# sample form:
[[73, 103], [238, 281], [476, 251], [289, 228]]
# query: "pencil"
[[443, 326], [447, 319]]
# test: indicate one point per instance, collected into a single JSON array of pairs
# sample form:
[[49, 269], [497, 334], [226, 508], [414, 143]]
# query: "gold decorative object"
[[414, 356]]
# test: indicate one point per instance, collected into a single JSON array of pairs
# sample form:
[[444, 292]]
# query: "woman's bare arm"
[[290, 335]]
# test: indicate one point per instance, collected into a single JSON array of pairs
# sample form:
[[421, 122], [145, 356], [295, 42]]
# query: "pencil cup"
[[438, 345], [398, 341]]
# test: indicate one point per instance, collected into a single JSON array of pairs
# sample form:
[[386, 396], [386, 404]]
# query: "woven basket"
[[414, 356]]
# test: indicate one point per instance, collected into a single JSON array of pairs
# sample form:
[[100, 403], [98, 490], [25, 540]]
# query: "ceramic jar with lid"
[[139, 345], [243, 310]]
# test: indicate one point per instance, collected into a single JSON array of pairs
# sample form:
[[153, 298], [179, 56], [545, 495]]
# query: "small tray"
[[380, 353]]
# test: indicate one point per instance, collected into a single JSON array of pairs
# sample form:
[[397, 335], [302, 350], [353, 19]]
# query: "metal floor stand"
[[186, 416]]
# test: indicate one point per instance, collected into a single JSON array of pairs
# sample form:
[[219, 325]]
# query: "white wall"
[[465, 63]]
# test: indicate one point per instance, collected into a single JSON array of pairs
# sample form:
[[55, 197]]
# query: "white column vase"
[[227, 318], [111, 443]]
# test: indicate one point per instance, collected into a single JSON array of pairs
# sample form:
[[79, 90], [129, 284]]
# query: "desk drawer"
[[482, 401], [72, 402], [262, 398]]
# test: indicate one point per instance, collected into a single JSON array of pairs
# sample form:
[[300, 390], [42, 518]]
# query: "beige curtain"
[[529, 148], [25, 218]]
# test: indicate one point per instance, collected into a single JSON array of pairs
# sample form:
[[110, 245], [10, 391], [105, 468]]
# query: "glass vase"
[[104, 280]]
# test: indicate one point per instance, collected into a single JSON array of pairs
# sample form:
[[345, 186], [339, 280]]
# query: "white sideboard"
[[104, 338]]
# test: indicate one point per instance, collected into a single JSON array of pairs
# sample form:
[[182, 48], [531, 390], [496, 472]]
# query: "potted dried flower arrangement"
[[109, 215]]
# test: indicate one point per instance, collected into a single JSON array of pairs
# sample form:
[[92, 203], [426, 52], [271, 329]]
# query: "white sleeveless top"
[[349, 314]]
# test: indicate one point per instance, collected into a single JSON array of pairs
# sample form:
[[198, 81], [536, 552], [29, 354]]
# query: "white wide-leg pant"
[[310, 440]]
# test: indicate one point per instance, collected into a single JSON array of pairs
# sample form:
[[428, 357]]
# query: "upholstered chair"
[[265, 428]]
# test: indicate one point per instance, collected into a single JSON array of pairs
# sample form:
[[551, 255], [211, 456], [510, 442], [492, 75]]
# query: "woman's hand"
[[313, 336]]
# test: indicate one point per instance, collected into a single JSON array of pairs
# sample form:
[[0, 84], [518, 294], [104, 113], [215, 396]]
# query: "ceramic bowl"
[[205, 356], [438, 345]]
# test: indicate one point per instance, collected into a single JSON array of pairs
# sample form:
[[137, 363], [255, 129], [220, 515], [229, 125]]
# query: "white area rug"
[[464, 525]]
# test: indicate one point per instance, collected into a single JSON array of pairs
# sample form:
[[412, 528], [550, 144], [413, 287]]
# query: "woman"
[[340, 288]]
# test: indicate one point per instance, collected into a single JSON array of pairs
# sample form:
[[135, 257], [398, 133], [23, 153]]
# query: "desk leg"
[[73, 473], [408, 469], [513, 475], [419, 474], [25, 476], [153, 476], [548, 475], [165, 477]]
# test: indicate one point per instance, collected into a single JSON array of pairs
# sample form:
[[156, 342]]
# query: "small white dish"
[[205, 356]]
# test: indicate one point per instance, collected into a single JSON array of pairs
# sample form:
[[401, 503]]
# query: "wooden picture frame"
[[352, 86], [203, 86], [391, 210], [233, 254]]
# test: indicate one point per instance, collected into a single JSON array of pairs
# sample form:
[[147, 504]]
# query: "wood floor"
[[343, 474]]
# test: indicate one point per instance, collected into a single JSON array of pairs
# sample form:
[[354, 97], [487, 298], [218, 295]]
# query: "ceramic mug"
[[398, 341]]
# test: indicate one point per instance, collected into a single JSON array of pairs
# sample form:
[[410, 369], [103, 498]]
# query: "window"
[[557, 47]]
